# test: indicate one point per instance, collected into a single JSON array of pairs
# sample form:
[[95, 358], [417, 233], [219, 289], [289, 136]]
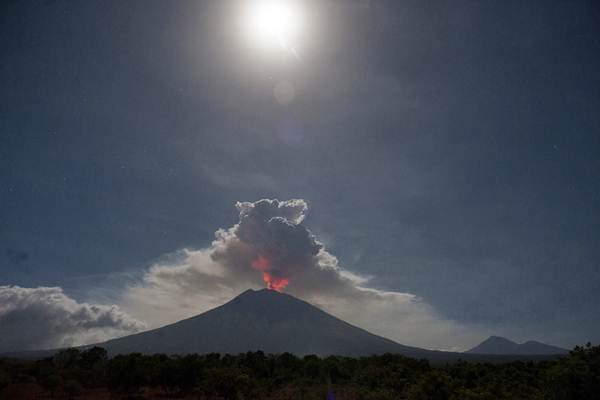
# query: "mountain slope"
[[503, 346], [260, 320]]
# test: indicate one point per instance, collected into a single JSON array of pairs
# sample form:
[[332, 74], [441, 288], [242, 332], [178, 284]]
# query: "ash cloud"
[[269, 231], [45, 317], [193, 281]]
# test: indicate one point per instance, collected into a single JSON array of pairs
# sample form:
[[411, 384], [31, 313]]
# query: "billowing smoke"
[[270, 239], [271, 246], [44, 317]]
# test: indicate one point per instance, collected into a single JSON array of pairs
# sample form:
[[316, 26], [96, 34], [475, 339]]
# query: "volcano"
[[276, 323], [264, 320]]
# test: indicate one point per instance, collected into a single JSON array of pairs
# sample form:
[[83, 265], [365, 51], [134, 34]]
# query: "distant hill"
[[500, 345]]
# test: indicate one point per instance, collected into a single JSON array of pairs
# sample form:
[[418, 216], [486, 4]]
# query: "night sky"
[[450, 150]]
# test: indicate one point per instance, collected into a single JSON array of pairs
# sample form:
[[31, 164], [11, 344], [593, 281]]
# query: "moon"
[[273, 24]]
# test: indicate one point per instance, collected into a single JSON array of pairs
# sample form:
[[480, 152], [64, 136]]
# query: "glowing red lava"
[[273, 282]]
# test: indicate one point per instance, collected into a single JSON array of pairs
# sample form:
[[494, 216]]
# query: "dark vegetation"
[[74, 374]]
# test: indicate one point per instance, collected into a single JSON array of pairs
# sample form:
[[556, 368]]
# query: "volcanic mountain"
[[273, 322], [264, 320], [500, 345]]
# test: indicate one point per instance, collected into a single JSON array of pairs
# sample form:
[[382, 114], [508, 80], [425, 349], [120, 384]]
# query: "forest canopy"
[[74, 373]]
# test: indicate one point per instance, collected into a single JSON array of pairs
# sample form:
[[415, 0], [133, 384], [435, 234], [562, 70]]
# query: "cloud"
[[45, 317], [270, 243]]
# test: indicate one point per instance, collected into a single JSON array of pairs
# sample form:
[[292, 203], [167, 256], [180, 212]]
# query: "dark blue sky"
[[448, 149]]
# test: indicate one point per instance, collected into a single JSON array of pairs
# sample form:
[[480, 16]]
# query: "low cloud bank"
[[45, 317]]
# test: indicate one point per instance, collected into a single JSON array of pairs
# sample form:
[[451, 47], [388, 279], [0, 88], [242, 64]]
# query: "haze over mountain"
[[500, 345]]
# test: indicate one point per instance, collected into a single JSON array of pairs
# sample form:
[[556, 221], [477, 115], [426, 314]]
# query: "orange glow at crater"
[[273, 282]]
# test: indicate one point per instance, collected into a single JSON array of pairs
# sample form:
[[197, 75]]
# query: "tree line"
[[75, 373]]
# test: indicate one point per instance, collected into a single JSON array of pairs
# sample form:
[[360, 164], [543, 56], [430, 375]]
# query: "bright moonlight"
[[273, 24]]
